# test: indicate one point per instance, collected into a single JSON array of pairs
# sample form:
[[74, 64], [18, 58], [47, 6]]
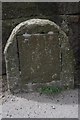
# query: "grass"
[[49, 90]]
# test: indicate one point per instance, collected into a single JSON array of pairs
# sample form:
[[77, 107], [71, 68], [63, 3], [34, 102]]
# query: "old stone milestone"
[[38, 54]]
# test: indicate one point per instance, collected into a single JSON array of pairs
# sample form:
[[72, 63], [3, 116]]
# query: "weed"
[[49, 90]]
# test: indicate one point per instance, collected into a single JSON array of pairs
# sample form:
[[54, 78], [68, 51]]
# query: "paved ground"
[[34, 105], [0, 97], [0, 109]]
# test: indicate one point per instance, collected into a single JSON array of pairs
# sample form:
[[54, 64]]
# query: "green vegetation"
[[51, 90]]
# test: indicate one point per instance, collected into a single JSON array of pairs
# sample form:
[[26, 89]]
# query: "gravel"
[[34, 105]]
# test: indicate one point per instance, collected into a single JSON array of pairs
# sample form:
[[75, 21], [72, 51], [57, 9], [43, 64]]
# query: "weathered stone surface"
[[38, 52], [39, 58], [38, 8], [15, 13], [12, 65]]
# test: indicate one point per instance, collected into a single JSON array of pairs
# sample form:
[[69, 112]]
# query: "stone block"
[[38, 53]]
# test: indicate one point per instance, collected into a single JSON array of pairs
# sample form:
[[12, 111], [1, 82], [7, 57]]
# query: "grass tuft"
[[49, 90]]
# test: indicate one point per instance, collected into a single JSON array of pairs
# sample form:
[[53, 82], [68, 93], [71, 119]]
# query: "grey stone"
[[38, 54], [11, 17], [12, 65]]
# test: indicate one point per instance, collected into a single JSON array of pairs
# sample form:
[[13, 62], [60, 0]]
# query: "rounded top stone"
[[32, 26]]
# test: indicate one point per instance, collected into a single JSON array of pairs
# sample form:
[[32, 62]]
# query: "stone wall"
[[66, 15]]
